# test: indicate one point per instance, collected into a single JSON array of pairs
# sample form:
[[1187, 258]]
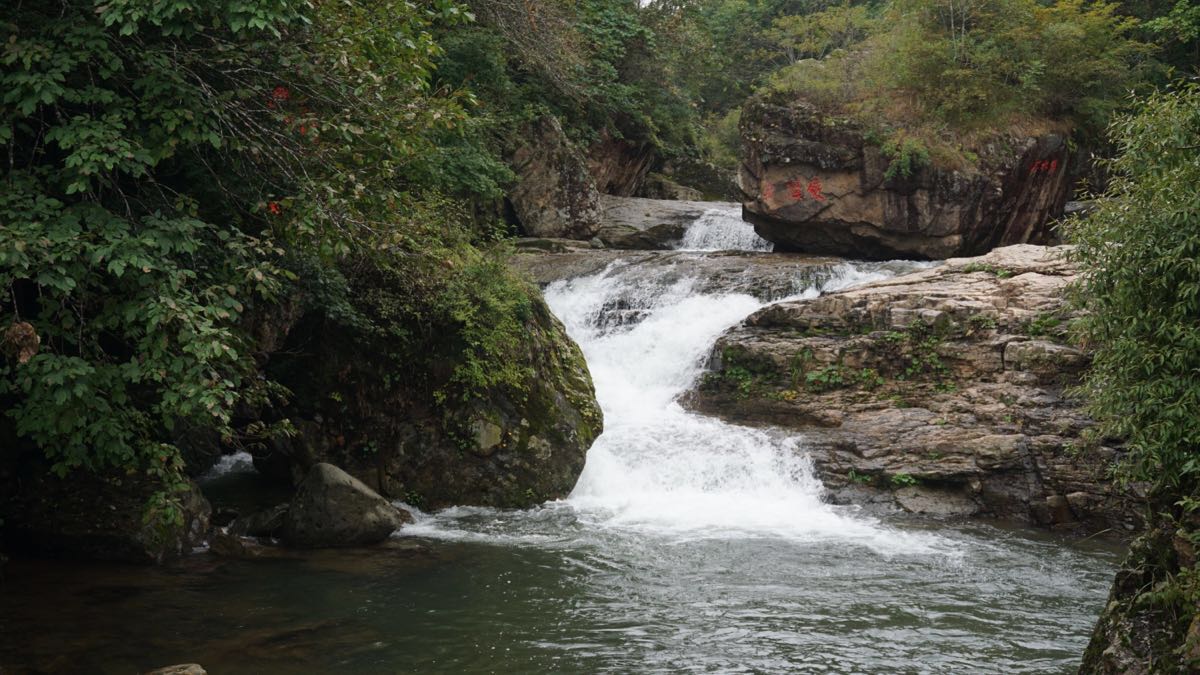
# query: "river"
[[688, 545]]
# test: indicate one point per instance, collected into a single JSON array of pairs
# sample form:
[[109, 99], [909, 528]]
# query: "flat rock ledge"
[[944, 392]]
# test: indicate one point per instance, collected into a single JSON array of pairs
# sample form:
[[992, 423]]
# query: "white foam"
[[658, 470], [721, 228], [238, 462]]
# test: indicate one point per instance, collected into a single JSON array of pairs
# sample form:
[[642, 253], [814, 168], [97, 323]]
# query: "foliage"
[[171, 167], [817, 35], [906, 156], [988, 268], [932, 79], [1141, 288]]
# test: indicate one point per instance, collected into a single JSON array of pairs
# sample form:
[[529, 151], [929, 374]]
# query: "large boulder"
[[380, 417], [555, 195], [817, 183], [1151, 622], [942, 391], [333, 509]]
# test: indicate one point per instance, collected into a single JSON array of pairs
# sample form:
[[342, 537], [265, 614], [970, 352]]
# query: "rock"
[[618, 166], [765, 277], [95, 516], [710, 180], [935, 502], [356, 408], [1138, 633], [333, 509], [656, 238], [813, 182], [268, 523], [229, 545], [1081, 208], [181, 669], [658, 186], [555, 195], [642, 214], [952, 379]]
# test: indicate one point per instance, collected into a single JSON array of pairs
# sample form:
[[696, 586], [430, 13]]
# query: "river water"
[[688, 545]]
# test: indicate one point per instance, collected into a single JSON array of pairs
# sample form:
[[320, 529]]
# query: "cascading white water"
[[657, 469], [660, 469], [721, 228]]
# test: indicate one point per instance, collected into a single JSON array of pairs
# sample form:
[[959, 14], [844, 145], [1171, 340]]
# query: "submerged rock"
[[953, 380], [268, 523], [332, 509], [812, 182]]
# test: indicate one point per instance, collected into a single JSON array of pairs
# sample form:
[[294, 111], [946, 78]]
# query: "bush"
[[946, 74], [1140, 285]]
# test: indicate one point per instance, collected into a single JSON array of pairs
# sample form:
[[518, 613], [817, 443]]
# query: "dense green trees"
[[174, 167], [946, 69], [1140, 253]]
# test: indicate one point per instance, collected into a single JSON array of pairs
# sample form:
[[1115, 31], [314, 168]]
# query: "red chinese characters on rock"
[[798, 189], [814, 189], [1043, 166]]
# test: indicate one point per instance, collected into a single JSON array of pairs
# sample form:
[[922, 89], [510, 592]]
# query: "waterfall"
[[659, 470], [662, 470], [721, 228]]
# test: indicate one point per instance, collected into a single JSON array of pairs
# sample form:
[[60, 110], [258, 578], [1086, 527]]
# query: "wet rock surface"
[[946, 391], [813, 182], [765, 277], [181, 669]]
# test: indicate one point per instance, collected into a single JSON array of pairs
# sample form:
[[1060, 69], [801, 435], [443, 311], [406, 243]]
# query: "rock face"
[[942, 391], [555, 195], [356, 409], [619, 166], [810, 182], [647, 224], [658, 186], [94, 516], [333, 509], [1138, 633]]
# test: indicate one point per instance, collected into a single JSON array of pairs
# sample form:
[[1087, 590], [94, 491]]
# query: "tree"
[[1140, 285], [166, 164]]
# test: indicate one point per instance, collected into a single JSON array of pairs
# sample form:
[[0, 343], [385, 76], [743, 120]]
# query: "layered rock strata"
[[818, 183], [945, 391]]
